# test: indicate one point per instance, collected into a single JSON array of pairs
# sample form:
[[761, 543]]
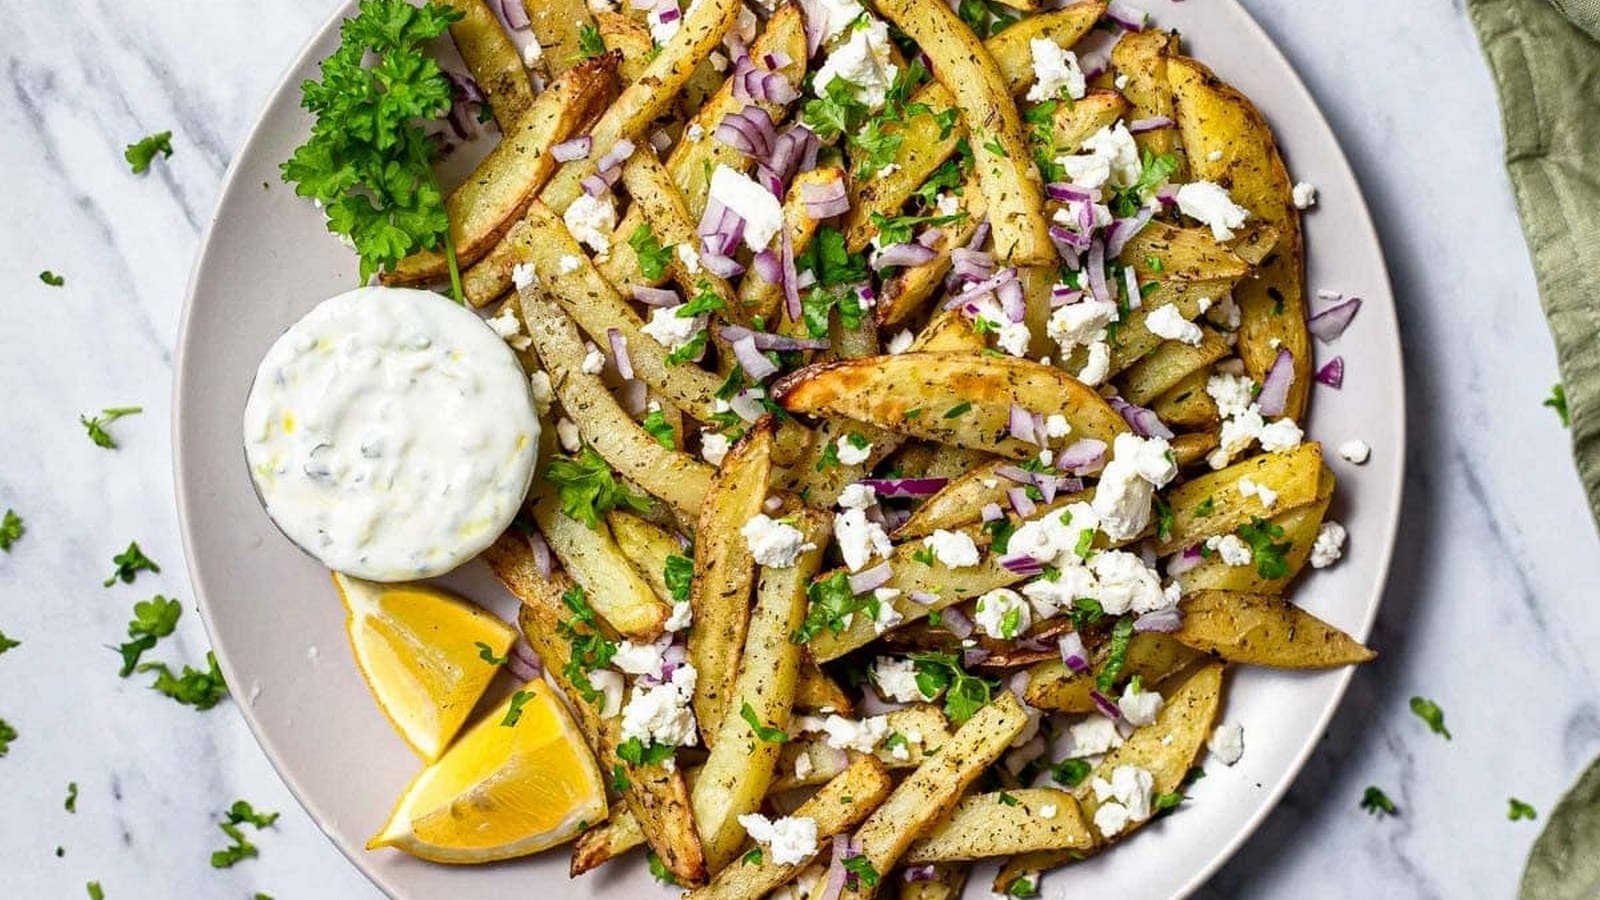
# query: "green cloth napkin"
[[1545, 58]]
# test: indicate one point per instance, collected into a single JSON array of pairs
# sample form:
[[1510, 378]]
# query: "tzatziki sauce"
[[391, 434]]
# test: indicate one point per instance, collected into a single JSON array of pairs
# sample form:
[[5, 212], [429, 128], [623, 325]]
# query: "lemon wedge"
[[417, 648], [515, 784]]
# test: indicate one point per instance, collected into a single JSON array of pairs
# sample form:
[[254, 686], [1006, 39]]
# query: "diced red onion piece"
[[868, 579], [1185, 561], [1021, 564], [1075, 241], [1122, 230], [1063, 191], [765, 340], [833, 885], [791, 286], [1096, 267], [756, 366], [1329, 324], [514, 15], [1152, 123], [890, 488], [992, 512], [1020, 425], [632, 395], [521, 667], [574, 148], [721, 266], [1126, 15], [920, 873], [1020, 501], [1130, 281], [980, 236], [541, 554], [616, 156], [619, 352], [1144, 422], [594, 185], [1165, 621], [1011, 302], [1105, 705], [971, 265], [650, 296], [1332, 374], [956, 621], [772, 504], [1275, 386], [824, 201], [1084, 456], [1073, 653], [907, 254], [923, 598]]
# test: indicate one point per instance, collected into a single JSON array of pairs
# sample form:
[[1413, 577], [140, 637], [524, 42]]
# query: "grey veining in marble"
[[1490, 609]]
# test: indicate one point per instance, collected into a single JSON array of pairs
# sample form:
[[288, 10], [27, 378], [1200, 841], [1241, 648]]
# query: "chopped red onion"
[[1063, 191], [868, 579], [930, 236], [1011, 302], [920, 873], [1167, 194], [575, 148], [1020, 426], [907, 254], [1332, 374], [1016, 473], [824, 201], [1020, 501], [522, 663], [992, 512], [890, 488], [980, 236], [1122, 230], [769, 180], [616, 156], [1096, 267], [619, 352], [711, 220], [956, 621], [768, 266], [1076, 241], [650, 296], [749, 131], [1152, 123], [971, 265], [1144, 422], [721, 266], [1084, 456], [1021, 564], [513, 14], [541, 554], [1073, 653], [772, 504], [1127, 16], [1107, 707], [753, 84], [833, 885], [923, 598], [594, 185], [1185, 561], [1275, 386], [988, 285], [756, 366], [767, 341], [1329, 324], [791, 285], [632, 395], [1165, 621]]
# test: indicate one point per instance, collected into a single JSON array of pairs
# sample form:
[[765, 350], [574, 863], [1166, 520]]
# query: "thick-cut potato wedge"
[[1072, 123], [1213, 116], [656, 794], [662, 206], [819, 475], [616, 590], [1166, 748], [1168, 364], [903, 295], [491, 199], [760, 297], [838, 807], [1005, 823], [724, 573], [595, 306], [1005, 168], [1293, 474], [740, 768], [952, 462], [557, 25], [959, 503], [647, 545], [924, 727], [602, 843], [819, 693], [1151, 655], [1133, 337], [1012, 50], [1186, 404], [493, 60], [679, 479], [629, 37], [946, 884], [1141, 58], [1185, 254], [949, 332], [963, 400], [931, 791], [692, 161], [1191, 449], [1299, 531], [1263, 630]]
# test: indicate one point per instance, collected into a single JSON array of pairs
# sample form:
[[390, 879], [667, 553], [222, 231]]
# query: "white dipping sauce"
[[391, 434]]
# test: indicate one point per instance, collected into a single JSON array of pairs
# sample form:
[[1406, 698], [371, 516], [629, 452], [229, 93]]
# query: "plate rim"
[[184, 492]]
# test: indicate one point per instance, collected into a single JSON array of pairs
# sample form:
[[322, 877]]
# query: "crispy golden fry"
[[724, 573], [604, 842], [1186, 254], [740, 768], [1186, 404], [923, 730], [1213, 116], [662, 206], [946, 884], [656, 794], [837, 808], [1072, 123], [930, 792], [1151, 655], [616, 591], [628, 37], [760, 297], [1211, 504], [1299, 532], [1141, 58], [903, 295], [1191, 449], [819, 693], [1167, 365], [1011, 48], [647, 545], [493, 60], [674, 477], [1005, 823], [1010, 182], [486, 205], [960, 503], [950, 398], [1263, 630], [557, 25]]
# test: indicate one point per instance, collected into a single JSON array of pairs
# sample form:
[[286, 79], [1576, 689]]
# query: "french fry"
[[922, 728], [903, 295], [1262, 630], [1211, 504], [630, 39], [1151, 655], [1005, 823], [557, 26], [1072, 123], [662, 206], [647, 545], [1186, 404], [1169, 364], [1299, 532], [616, 590], [1012, 50], [1191, 449], [931, 791], [1140, 59], [604, 842], [493, 60], [739, 770], [819, 693], [724, 574]]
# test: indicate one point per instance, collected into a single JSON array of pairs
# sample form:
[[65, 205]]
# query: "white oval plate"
[[278, 626]]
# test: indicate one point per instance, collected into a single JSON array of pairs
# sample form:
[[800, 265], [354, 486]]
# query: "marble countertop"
[[1489, 608]]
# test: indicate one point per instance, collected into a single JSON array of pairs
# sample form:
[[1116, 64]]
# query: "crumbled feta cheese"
[[953, 548], [1085, 170], [1098, 366], [857, 496], [1329, 545], [638, 659], [663, 30], [830, 18], [860, 540], [1214, 156], [1122, 497], [594, 362], [671, 330], [1055, 72], [568, 264], [760, 210], [1047, 811], [773, 543], [791, 840], [947, 204], [1080, 324], [1234, 552], [1357, 451], [1283, 434], [897, 680], [1233, 394], [601, 6], [1126, 584], [1003, 614], [887, 616], [1116, 144], [610, 685], [1227, 742], [690, 258], [523, 275], [803, 767], [1014, 338], [1093, 736], [508, 325], [1249, 487], [1139, 707], [543, 392], [1168, 323], [863, 735], [850, 454], [1111, 818], [886, 171], [1120, 82], [1209, 203], [591, 221], [532, 53], [695, 131], [1057, 426], [713, 446], [1130, 788], [901, 342], [1052, 539], [1305, 195], [661, 713], [682, 616], [567, 433], [862, 61]]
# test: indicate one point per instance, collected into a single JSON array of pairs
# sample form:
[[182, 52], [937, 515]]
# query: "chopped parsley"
[[1008, 799], [1116, 656], [704, 301], [986, 17], [1262, 536], [637, 753], [945, 178], [11, 529], [834, 111], [923, 554], [96, 426], [767, 733], [514, 711], [1022, 886], [861, 871], [130, 563], [619, 779], [999, 532], [241, 813], [141, 153], [153, 620], [589, 42], [964, 694], [690, 351], [1377, 803], [486, 653], [960, 409], [1429, 712], [679, 576], [7, 735], [828, 257], [590, 649], [51, 278], [1155, 172], [201, 689], [653, 258], [1164, 519], [831, 605], [656, 425], [589, 489], [7, 643], [95, 891], [1070, 772], [900, 229], [1558, 402], [1205, 507], [753, 858], [1520, 810], [659, 870], [71, 804]]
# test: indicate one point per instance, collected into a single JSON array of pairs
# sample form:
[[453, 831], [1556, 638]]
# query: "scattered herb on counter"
[[51, 278], [141, 153], [71, 804], [1377, 803], [153, 620], [96, 426], [11, 529], [1558, 402], [1520, 810], [1429, 712], [199, 689], [7, 643], [7, 735], [130, 563]]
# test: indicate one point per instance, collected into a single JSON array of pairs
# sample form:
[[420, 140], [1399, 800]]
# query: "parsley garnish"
[[7, 735], [71, 804], [999, 532], [7, 643], [679, 576], [658, 869], [1008, 799], [97, 425], [964, 694], [1169, 800], [819, 302], [831, 604], [153, 620], [835, 111], [1157, 169], [588, 489], [637, 753], [995, 147], [690, 351], [826, 257], [704, 301], [1377, 803], [899, 229], [1262, 537], [753, 858], [1164, 519], [514, 711], [1022, 885], [1117, 656], [924, 555], [199, 689], [1070, 772], [590, 650], [619, 779], [486, 653], [767, 733], [1558, 402], [985, 16], [589, 42], [51, 278], [1520, 810], [960, 409], [1205, 507], [95, 891], [1429, 712], [10, 530], [861, 870], [130, 563], [655, 424], [139, 155], [368, 158], [653, 258], [242, 812], [911, 413]]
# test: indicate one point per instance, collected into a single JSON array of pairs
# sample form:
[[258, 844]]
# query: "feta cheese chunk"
[[1126, 584], [1139, 707], [860, 539], [1304, 195], [791, 840], [760, 210], [830, 18], [1356, 451], [1329, 546], [713, 446], [1098, 366], [1248, 487], [594, 362], [1168, 323], [638, 659], [671, 330], [1122, 497], [1115, 143], [1003, 614], [1057, 426], [857, 496], [682, 617], [901, 342], [660, 714], [508, 325], [953, 548], [523, 275], [1055, 72], [1093, 736], [773, 543], [862, 61], [1283, 434], [1233, 551], [897, 680], [591, 221], [1227, 742], [1208, 203], [568, 264], [853, 452], [688, 255], [1080, 324], [1124, 800], [863, 735], [567, 434]]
